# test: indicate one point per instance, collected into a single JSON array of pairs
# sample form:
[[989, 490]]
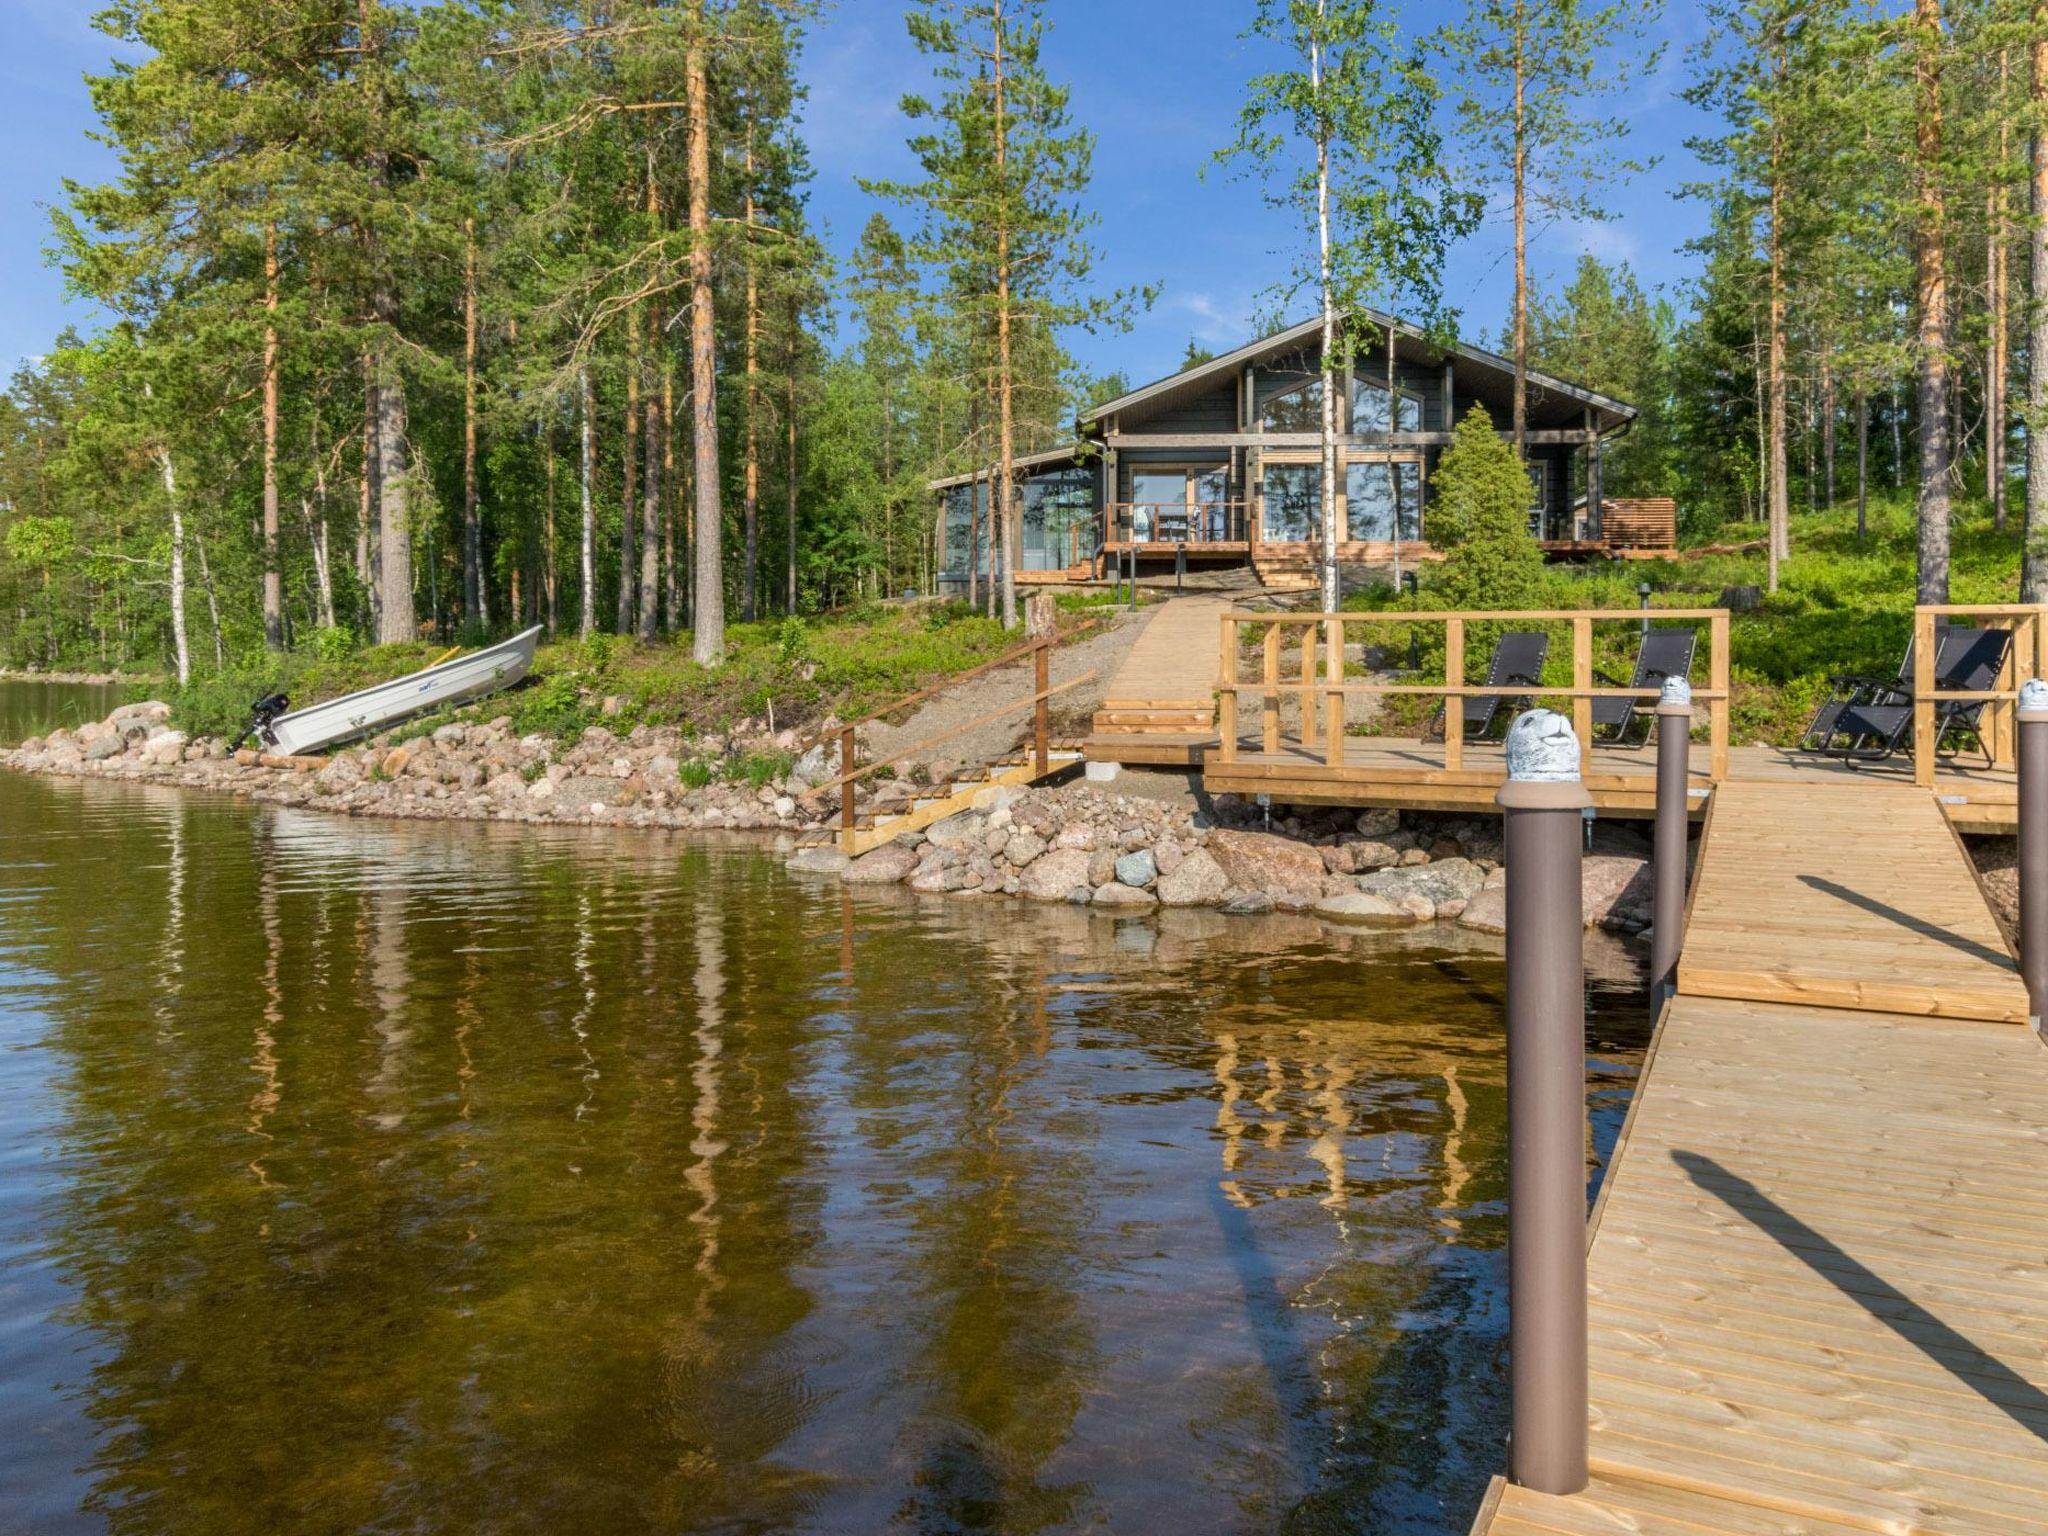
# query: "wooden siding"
[[1213, 412]]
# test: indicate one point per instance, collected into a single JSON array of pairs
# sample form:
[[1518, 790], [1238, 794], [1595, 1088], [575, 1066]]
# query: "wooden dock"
[[1819, 1265]]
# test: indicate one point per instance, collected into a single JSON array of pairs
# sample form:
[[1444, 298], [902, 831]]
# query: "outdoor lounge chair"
[[1517, 663], [1965, 661], [1663, 653], [1847, 689]]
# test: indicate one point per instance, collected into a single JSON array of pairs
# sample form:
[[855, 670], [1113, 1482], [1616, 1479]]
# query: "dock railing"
[[1322, 684], [2027, 657]]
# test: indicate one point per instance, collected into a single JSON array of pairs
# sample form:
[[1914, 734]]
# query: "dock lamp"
[[1643, 602], [1541, 804], [2033, 818]]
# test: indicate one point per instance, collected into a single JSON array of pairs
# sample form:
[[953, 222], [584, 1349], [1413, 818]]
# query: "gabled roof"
[[1204, 377]]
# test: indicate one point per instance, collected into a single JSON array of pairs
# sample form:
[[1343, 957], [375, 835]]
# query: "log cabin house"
[[1219, 464]]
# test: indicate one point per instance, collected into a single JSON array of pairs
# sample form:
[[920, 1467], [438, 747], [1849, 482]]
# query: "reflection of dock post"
[[2033, 819], [1542, 805], [1674, 744]]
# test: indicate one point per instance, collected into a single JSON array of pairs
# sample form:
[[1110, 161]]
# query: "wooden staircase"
[[1289, 568], [1160, 708], [936, 802]]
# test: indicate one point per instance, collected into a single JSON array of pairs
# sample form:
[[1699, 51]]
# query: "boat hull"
[[373, 709]]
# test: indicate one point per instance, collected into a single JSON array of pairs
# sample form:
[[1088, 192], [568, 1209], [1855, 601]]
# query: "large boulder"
[[1054, 875], [1616, 889], [1138, 869], [881, 866], [821, 859], [1024, 846], [1197, 881], [1487, 912], [1367, 909], [1116, 894], [944, 877], [1290, 872], [585, 792], [956, 831], [1448, 883]]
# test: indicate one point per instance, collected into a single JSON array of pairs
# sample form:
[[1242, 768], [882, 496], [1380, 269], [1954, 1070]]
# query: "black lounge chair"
[[1846, 690], [1965, 661], [1517, 663], [1663, 653]]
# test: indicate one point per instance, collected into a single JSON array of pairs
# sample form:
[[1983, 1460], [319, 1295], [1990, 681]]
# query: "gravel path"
[[1101, 651]]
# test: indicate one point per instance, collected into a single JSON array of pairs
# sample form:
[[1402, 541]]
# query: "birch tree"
[[1344, 136]]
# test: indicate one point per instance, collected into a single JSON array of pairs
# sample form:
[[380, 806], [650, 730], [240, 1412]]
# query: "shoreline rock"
[[1103, 845]]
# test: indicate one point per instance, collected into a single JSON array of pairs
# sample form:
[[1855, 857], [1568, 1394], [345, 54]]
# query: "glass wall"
[[1179, 503], [1293, 502], [1370, 499], [1369, 407], [965, 505], [1060, 525]]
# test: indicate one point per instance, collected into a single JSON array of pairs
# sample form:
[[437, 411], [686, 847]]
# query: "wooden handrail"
[[1322, 639], [2026, 658], [848, 779], [1015, 654]]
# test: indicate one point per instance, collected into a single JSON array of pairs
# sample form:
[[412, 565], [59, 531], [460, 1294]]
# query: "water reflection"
[[362, 1176]]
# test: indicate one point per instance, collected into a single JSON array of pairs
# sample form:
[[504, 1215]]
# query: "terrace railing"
[[2027, 657], [1175, 522], [1322, 683]]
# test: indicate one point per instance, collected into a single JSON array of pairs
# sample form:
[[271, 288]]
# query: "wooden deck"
[[1402, 772], [1819, 1266]]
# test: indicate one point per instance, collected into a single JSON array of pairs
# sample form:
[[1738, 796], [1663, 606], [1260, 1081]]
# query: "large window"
[[1060, 526], [1300, 409], [1369, 407], [965, 506], [1293, 502], [1374, 491], [1180, 503]]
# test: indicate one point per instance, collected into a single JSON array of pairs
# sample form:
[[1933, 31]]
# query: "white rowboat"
[[372, 709]]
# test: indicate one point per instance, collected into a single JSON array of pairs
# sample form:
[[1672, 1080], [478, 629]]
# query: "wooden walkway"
[[1819, 1266], [1161, 705]]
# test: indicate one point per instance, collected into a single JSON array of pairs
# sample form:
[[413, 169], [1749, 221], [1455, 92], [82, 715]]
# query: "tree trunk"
[[789, 414], [628, 554], [1777, 475], [220, 648], [1862, 463], [2034, 535], [475, 600], [395, 622], [708, 645], [650, 506], [1997, 258], [273, 569], [1931, 299], [1006, 507], [1521, 316], [1326, 292], [587, 622], [1827, 433], [750, 517], [668, 492], [181, 644], [548, 575], [316, 529]]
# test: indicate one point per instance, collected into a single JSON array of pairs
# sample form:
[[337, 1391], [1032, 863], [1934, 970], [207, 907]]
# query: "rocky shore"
[[1142, 842]]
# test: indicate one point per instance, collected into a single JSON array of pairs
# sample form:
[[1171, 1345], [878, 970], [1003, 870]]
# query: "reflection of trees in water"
[[607, 1183]]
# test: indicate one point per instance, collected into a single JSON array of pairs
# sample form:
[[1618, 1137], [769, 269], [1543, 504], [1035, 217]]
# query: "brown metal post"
[[2033, 818], [1042, 739], [846, 780], [1542, 805], [1674, 810]]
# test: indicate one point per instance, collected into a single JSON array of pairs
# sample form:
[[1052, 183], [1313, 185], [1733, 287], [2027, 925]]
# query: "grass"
[[784, 673], [1843, 604]]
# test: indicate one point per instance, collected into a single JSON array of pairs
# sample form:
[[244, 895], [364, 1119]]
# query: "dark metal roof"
[[1494, 376]]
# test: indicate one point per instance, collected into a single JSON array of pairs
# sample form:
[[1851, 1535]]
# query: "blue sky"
[[1158, 81]]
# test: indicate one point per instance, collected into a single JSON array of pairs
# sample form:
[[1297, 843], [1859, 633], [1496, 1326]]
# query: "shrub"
[[1479, 518]]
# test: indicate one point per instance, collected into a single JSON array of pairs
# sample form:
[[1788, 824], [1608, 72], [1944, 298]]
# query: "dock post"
[[1674, 808], [2033, 819], [846, 780], [1541, 807]]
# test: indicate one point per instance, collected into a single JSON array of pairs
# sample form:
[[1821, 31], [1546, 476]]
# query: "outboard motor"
[[263, 715]]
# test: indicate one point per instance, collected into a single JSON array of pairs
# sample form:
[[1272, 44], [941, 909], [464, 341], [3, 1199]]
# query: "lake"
[[362, 1176]]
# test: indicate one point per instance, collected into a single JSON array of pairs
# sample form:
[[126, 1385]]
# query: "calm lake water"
[[383, 1177]]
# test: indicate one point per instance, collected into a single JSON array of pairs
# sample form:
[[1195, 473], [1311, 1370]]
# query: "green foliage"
[[1479, 518]]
